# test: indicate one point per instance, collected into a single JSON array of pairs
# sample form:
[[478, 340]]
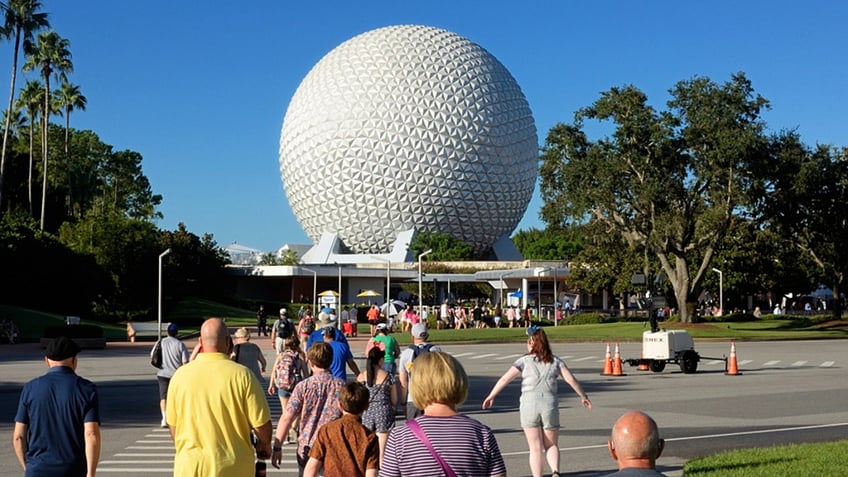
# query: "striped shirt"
[[468, 446]]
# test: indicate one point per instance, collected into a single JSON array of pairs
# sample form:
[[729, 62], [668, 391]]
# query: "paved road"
[[788, 392]]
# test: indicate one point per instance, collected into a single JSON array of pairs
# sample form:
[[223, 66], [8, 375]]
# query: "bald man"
[[635, 445], [213, 405]]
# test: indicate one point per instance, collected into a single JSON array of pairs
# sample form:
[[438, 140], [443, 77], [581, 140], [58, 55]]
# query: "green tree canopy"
[[552, 243], [805, 202], [445, 247], [671, 182]]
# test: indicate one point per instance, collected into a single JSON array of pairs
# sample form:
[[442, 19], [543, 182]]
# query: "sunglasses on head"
[[531, 330]]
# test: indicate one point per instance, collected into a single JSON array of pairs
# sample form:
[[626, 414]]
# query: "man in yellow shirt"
[[214, 404]]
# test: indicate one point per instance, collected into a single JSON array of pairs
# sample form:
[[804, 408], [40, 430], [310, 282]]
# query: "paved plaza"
[[788, 392]]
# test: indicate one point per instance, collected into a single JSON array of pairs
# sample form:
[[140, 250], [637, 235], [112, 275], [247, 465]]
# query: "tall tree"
[[805, 201], [52, 58], [22, 19], [552, 243], [69, 98], [445, 247], [31, 98], [670, 182]]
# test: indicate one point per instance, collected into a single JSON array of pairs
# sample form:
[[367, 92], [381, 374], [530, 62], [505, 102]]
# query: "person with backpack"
[[174, 355], [289, 368], [305, 327], [282, 329], [420, 335]]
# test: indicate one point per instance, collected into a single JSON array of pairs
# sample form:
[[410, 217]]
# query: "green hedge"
[[73, 331]]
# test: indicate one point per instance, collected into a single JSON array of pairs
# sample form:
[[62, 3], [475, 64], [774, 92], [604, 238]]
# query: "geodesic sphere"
[[408, 127]]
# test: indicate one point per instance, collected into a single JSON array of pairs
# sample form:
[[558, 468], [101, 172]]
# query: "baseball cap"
[[420, 331], [61, 349], [283, 311], [382, 326], [173, 328]]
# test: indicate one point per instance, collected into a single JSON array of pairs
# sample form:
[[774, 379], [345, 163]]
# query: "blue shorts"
[[283, 394]]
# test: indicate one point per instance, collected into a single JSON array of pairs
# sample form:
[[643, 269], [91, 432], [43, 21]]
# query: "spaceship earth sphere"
[[408, 127]]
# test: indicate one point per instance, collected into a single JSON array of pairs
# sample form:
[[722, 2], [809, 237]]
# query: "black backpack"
[[284, 328]]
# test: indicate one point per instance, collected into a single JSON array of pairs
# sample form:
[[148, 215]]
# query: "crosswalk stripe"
[[827, 364], [799, 363], [771, 363], [481, 356]]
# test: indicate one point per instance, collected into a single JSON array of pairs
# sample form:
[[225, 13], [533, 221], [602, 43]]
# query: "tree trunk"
[[29, 188], [681, 294], [837, 302], [46, 118], [9, 113]]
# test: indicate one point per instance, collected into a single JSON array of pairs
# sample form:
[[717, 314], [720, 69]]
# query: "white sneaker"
[[164, 424]]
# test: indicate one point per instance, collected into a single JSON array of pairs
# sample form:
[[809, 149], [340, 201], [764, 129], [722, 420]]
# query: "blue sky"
[[200, 88]]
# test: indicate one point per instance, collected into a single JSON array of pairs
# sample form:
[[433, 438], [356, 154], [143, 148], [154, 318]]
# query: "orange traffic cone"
[[643, 365], [732, 368], [607, 362], [616, 363]]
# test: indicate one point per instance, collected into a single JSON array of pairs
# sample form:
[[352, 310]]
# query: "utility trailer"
[[667, 346]]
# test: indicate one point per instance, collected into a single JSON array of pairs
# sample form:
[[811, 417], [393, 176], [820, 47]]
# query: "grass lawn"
[[820, 460], [190, 313]]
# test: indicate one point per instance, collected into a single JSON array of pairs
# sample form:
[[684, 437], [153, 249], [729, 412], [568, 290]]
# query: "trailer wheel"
[[657, 366], [689, 362]]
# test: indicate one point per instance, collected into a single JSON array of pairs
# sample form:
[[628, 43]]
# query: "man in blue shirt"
[[57, 425], [341, 354], [317, 336]]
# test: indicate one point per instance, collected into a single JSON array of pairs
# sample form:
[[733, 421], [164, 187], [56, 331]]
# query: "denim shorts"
[[539, 410]]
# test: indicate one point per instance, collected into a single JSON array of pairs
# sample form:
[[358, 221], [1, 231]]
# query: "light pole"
[[720, 291], [159, 314], [388, 281], [339, 301], [420, 294], [314, 290], [503, 285], [539, 272]]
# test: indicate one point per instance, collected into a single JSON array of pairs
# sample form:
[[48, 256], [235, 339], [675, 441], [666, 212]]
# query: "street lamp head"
[[717, 270]]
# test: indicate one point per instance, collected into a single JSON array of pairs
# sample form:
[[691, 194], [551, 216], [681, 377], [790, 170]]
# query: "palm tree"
[[51, 57], [15, 119], [22, 20], [69, 98], [30, 98]]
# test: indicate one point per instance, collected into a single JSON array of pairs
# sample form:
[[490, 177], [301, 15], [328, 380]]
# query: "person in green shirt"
[[389, 345]]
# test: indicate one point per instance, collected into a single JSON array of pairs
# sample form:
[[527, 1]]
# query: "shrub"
[[585, 318], [73, 331]]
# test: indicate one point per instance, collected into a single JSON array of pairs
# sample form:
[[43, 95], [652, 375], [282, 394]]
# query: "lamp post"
[[388, 281], [159, 314], [503, 285], [420, 294], [720, 291], [314, 290], [539, 272], [339, 301]]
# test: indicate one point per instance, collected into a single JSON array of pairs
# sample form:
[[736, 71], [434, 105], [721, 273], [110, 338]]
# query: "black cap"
[[61, 349]]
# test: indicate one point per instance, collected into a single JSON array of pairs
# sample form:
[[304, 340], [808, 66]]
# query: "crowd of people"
[[332, 425]]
